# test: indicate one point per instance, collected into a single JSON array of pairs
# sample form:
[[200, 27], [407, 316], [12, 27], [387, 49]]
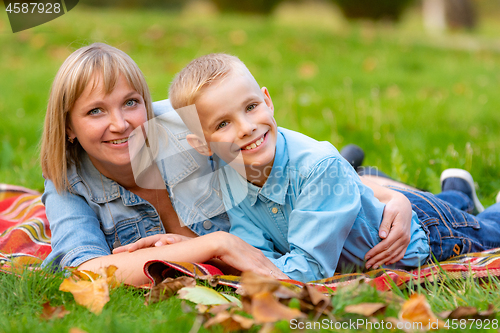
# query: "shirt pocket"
[[126, 231]]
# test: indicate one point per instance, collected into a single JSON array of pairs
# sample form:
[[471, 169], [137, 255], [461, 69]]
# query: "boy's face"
[[237, 120]]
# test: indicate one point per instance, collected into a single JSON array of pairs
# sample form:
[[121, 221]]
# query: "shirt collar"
[[173, 159], [99, 192]]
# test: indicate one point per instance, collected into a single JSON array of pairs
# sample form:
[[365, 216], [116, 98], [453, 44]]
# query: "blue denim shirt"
[[82, 227], [313, 214]]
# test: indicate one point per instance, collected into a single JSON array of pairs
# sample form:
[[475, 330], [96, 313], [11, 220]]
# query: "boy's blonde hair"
[[77, 71], [199, 73]]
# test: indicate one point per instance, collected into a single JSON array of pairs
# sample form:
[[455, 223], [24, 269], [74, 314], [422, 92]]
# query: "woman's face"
[[103, 122]]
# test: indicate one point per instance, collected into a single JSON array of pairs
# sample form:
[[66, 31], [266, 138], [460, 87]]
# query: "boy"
[[295, 199]]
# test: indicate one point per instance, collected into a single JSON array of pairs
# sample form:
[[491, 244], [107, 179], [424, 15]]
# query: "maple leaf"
[[416, 309], [53, 312], [90, 289]]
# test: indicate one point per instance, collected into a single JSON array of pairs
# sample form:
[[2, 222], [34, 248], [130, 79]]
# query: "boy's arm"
[[395, 229], [325, 209], [317, 227]]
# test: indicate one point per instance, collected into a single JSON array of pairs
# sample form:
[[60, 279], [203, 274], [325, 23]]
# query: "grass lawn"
[[416, 103]]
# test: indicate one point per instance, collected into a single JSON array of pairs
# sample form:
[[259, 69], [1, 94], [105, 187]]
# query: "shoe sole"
[[465, 175]]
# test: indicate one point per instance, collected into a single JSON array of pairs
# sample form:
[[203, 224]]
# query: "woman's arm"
[[224, 246], [78, 241], [395, 229]]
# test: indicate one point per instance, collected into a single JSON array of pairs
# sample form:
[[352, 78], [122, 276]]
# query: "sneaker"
[[461, 180], [498, 197], [354, 155]]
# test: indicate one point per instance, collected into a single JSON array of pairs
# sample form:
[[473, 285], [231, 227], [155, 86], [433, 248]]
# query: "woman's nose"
[[118, 122]]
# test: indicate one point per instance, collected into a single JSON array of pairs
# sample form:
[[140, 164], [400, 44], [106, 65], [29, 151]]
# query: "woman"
[[94, 203]]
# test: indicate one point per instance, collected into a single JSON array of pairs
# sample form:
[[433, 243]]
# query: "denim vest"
[[97, 208]]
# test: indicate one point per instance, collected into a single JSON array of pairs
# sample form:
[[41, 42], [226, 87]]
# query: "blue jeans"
[[450, 229]]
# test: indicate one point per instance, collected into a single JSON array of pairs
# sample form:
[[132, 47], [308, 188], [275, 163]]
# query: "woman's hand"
[[152, 241], [395, 231], [243, 256]]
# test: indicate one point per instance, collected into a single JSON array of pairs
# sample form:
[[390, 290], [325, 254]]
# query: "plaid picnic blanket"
[[25, 241]]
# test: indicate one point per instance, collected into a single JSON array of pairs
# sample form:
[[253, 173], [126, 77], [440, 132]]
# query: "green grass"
[[414, 107], [416, 103], [22, 299]]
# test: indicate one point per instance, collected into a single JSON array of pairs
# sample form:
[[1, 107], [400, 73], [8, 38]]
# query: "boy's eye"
[[221, 125], [131, 102], [94, 111], [251, 107]]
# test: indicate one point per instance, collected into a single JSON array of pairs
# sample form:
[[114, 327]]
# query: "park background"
[[416, 100]]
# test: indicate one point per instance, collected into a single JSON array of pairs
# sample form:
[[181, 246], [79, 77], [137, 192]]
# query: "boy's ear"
[[267, 98], [197, 143]]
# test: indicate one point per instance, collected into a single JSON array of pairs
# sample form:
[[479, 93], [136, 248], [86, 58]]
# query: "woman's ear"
[[69, 131], [199, 144], [267, 98]]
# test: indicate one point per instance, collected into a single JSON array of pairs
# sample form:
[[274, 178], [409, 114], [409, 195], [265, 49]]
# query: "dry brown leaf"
[[312, 299], [168, 288], [92, 293], [53, 312], [215, 309], [366, 309], [488, 312], [265, 308], [252, 283], [463, 312], [418, 310], [230, 322]]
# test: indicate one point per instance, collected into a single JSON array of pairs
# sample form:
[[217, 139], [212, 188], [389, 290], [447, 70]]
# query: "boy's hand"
[[395, 231], [152, 241]]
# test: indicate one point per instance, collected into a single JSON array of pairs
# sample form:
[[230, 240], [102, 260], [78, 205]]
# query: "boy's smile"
[[237, 121]]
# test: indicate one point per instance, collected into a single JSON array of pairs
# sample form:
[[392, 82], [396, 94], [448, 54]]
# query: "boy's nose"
[[247, 128]]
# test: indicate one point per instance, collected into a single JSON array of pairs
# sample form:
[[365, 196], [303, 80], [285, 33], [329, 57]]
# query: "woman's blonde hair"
[[79, 70]]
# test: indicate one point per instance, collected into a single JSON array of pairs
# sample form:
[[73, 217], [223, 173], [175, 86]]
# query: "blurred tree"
[[166, 4], [442, 14], [247, 6], [373, 9]]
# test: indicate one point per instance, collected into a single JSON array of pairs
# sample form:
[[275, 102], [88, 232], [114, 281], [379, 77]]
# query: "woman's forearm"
[[130, 264]]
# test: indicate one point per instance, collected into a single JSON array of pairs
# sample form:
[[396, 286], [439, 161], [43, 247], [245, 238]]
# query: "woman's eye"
[[221, 125], [251, 107], [131, 102], [94, 111]]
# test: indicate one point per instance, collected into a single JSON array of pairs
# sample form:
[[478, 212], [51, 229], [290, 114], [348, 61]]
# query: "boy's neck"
[[258, 175]]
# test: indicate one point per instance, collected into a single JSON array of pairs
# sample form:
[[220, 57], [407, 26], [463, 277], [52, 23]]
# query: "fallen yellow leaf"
[[417, 310], [90, 289]]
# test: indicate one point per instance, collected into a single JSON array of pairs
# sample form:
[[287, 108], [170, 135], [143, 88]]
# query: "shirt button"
[[207, 224], [274, 210]]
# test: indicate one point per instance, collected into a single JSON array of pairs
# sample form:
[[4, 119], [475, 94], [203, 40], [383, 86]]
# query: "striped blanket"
[[25, 242]]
